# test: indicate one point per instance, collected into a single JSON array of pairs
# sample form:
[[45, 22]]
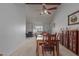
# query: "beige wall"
[[12, 26], [61, 16]]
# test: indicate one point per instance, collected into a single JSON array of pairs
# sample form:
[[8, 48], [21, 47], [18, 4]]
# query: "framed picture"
[[73, 18]]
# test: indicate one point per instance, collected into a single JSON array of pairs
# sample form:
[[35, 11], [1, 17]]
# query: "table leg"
[[37, 51], [57, 48]]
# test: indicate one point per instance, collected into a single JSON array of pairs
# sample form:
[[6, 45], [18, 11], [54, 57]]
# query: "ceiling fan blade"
[[53, 8], [49, 12]]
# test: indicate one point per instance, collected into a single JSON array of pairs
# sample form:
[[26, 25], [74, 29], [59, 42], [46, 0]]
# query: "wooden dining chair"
[[42, 42], [55, 42], [47, 45]]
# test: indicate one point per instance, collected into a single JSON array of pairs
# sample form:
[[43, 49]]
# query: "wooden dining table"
[[38, 41]]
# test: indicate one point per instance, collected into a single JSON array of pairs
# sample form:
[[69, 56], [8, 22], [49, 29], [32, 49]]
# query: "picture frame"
[[73, 18]]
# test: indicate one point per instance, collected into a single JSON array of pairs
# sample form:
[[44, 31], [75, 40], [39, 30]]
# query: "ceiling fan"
[[46, 10]]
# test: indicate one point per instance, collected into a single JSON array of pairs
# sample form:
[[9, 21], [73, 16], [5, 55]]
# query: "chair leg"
[[53, 51], [37, 49], [42, 51], [58, 49]]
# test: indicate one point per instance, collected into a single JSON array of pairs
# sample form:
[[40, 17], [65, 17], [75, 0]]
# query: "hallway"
[[20, 21], [28, 48]]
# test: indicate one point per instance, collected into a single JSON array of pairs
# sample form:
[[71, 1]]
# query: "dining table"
[[40, 40]]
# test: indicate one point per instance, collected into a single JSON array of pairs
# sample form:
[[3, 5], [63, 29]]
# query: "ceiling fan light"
[[46, 12]]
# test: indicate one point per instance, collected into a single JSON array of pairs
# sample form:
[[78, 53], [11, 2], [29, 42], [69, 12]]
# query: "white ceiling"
[[33, 14]]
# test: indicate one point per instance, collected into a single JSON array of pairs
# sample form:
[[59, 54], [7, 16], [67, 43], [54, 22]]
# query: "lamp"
[[44, 12]]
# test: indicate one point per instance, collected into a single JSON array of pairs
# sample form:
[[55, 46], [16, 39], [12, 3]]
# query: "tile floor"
[[28, 48]]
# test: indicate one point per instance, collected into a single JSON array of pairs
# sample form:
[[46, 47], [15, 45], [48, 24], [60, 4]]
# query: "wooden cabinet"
[[78, 44], [70, 39], [67, 39], [73, 40], [64, 37], [61, 37]]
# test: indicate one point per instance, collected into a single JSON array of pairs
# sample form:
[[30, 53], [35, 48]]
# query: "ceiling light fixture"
[[44, 12]]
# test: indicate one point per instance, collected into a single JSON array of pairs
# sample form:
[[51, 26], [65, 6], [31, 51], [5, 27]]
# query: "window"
[[38, 29]]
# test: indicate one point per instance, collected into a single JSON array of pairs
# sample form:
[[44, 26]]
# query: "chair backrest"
[[54, 39], [45, 36], [47, 39]]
